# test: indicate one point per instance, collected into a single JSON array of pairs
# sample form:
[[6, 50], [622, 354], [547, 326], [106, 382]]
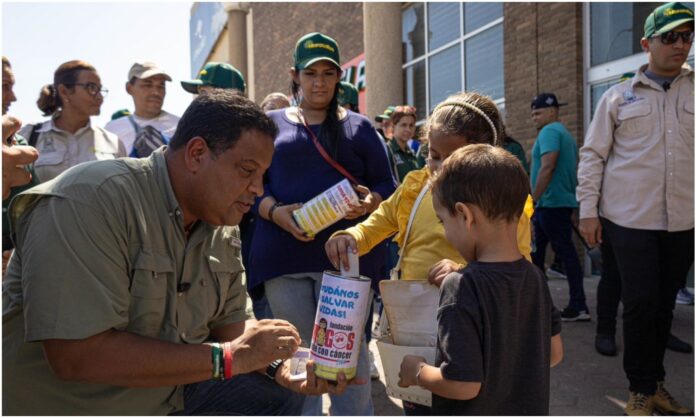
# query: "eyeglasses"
[[668, 38], [93, 88]]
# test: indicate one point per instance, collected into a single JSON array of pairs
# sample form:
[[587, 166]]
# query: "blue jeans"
[[247, 394], [554, 225], [294, 298]]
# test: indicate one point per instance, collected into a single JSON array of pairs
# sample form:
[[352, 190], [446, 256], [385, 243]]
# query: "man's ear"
[[464, 210], [129, 88], [197, 152], [645, 44]]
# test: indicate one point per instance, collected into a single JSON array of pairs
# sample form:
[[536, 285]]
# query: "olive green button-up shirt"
[[103, 247]]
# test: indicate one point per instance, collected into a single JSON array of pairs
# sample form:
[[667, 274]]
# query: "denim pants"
[[246, 394], [294, 297], [553, 225], [652, 267]]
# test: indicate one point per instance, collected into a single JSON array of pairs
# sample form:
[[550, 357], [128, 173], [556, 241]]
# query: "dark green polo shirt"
[[403, 161]]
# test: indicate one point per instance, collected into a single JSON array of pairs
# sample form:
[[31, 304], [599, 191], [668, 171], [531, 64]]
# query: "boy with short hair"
[[498, 331]]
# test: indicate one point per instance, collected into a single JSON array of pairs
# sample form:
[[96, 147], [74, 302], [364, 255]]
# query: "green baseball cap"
[[667, 17], [347, 94], [216, 74], [315, 47], [120, 113], [386, 114]]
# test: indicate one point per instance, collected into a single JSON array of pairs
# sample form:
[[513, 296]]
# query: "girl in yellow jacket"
[[463, 119]]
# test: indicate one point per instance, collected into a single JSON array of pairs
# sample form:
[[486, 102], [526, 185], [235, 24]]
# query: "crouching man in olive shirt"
[[123, 269]]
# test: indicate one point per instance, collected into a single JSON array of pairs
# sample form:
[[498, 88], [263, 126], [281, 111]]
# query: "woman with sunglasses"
[[287, 261], [68, 138]]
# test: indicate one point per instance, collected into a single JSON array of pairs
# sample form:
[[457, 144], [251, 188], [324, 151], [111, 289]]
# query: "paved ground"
[[585, 383]]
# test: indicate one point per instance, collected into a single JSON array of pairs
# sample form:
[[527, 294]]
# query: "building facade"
[[419, 53]]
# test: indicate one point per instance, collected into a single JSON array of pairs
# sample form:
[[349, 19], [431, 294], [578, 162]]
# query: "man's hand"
[[410, 365], [282, 216], [337, 249], [591, 230], [13, 172], [440, 270], [260, 344], [314, 385], [10, 126], [5, 260], [14, 157]]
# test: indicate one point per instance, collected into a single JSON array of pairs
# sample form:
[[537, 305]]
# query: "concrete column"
[[382, 31], [237, 35]]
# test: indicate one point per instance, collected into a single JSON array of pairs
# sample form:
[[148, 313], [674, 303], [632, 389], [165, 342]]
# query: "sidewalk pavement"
[[585, 382]]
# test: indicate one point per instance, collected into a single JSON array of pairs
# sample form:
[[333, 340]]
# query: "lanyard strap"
[[397, 269], [323, 152]]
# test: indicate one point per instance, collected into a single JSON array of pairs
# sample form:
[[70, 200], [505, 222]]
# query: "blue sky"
[[38, 37]]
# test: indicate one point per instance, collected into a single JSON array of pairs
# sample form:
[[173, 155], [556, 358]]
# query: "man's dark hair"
[[220, 116], [486, 176]]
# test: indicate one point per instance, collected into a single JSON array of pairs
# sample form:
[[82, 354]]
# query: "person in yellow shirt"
[[462, 119]]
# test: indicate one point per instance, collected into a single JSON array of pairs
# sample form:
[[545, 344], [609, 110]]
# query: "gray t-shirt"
[[495, 324]]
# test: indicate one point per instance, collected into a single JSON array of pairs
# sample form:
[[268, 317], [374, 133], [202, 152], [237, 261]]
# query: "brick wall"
[[543, 53], [273, 48]]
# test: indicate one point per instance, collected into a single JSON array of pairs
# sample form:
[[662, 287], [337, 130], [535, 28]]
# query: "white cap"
[[146, 69]]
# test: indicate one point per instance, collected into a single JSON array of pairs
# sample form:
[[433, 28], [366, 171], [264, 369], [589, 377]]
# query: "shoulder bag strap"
[[333, 163], [396, 271], [135, 125], [34, 136]]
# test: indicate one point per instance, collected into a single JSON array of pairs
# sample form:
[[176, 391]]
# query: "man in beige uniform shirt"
[[636, 181], [124, 276]]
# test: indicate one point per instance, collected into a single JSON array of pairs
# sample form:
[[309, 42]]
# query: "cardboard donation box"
[[411, 310]]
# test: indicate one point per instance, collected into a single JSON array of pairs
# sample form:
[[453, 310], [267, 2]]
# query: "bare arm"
[[430, 378], [548, 165], [125, 359]]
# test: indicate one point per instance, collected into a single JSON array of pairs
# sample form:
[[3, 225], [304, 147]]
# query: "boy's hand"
[[440, 270], [410, 366], [337, 250]]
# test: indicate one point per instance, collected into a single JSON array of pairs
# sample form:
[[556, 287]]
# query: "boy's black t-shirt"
[[495, 323]]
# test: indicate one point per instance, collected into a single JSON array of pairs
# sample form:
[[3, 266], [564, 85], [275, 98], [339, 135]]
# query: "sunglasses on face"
[[671, 37], [93, 88]]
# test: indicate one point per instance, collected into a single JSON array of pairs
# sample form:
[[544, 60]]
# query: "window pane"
[[616, 29], [480, 14], [484, 63], [443, 24], [596, 92], [445, 75], [414, 86], [412, 32]]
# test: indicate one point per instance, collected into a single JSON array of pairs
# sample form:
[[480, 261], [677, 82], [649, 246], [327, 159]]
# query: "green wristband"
[[217, 358]]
